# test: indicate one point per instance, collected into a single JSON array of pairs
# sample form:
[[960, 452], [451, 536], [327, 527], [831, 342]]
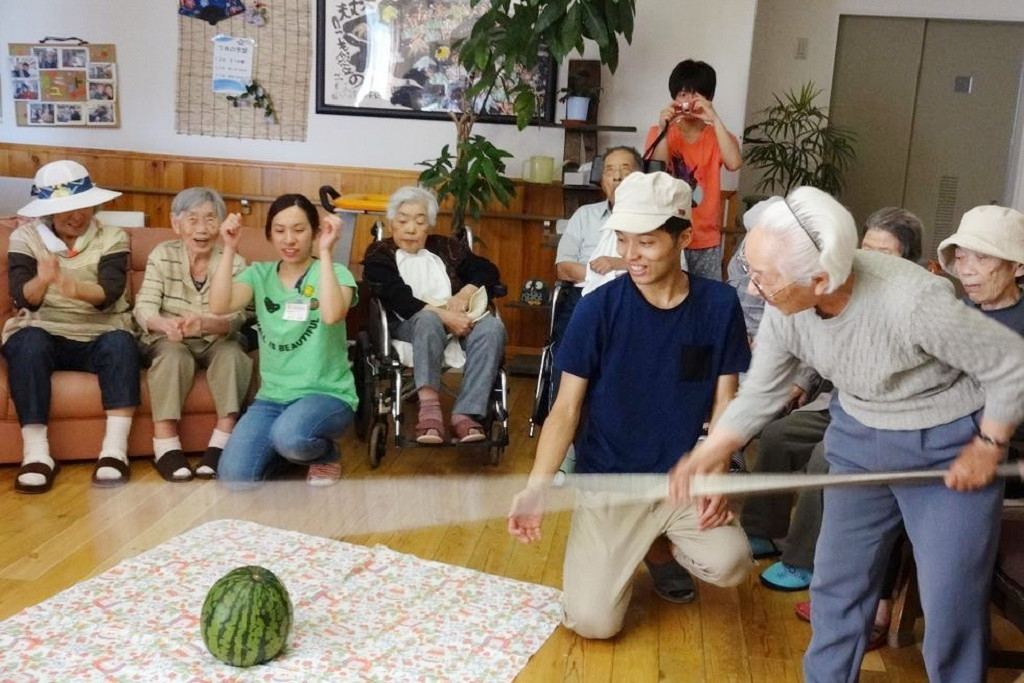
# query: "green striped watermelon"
[[246, 617]]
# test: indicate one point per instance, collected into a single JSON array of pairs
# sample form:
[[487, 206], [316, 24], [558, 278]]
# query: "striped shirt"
[[63, 316], [168, 290]]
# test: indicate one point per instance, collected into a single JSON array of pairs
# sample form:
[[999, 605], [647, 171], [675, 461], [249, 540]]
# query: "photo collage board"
[[56, 84]]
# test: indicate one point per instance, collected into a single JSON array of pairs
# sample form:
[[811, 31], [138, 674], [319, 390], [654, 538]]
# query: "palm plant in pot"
[[795, 144], [509, 39]]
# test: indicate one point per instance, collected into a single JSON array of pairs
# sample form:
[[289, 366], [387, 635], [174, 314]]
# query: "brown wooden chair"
[[1007, 589]]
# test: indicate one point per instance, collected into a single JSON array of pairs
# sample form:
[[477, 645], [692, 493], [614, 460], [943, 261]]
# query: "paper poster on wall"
[[64, 84], [232, 64]]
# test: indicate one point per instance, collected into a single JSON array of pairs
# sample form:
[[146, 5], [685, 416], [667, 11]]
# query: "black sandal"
[[169, 463], [42, 468], [210, 459], [120, 465]]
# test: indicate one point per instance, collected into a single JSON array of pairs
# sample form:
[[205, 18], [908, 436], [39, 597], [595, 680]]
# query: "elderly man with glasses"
[[923, 382]]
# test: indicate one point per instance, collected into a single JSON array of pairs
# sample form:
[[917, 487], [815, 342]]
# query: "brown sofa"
[[76, 413]]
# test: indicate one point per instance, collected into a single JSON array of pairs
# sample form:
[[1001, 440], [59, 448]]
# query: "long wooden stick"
[[761, 484]]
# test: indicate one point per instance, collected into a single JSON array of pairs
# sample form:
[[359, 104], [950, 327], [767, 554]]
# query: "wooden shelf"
[[591, 127], [528, 307]]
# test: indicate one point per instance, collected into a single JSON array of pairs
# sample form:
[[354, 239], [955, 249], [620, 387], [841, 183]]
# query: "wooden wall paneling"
[[150, 181]]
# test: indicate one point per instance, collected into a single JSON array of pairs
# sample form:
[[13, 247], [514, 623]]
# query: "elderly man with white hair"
[[923, 382]]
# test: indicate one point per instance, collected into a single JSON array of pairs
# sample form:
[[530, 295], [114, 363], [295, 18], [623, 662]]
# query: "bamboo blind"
[[281, 66]]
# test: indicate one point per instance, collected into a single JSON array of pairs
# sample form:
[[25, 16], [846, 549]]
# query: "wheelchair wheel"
[[377, 444], [497, 438], [365, 385]]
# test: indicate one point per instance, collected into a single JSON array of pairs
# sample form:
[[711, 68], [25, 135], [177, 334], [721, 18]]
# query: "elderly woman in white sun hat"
[[986, 254], [67, 274]]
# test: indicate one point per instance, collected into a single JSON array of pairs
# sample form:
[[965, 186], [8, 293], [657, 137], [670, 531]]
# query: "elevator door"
[[957, 149]]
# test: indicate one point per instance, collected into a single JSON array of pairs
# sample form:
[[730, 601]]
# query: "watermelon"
[[246, 617]]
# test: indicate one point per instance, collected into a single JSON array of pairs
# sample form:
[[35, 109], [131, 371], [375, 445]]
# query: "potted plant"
[[509, 38], [795, 144], [577, 98]]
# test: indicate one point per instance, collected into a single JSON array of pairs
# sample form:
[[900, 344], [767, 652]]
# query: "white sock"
[[115, 444], [219, 439], [37, 449], [162, 446]]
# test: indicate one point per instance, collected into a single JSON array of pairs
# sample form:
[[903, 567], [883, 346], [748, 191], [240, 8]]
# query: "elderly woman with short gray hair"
[[923, 382], [180, 333], [427, 284]]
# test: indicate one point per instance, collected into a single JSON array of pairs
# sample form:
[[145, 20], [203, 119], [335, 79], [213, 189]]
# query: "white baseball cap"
[[64, 186], [989, 229], [644, 201]]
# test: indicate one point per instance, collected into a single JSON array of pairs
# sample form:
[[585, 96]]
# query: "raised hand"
[[668, 114], [231, 230], [330, 231], [703, 110]]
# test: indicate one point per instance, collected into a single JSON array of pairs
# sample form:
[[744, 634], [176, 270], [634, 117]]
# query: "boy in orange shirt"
[[694, 144]]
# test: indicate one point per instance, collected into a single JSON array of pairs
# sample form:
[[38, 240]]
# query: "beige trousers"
[[610, 536], [172, 369]]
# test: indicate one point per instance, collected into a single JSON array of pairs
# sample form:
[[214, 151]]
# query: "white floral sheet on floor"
[[360, 614]]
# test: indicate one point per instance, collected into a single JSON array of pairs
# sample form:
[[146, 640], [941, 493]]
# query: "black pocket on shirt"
[[695, 363]]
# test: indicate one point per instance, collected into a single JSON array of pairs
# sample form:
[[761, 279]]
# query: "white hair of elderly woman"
[[817, 233], [414, 195], [192, 197]]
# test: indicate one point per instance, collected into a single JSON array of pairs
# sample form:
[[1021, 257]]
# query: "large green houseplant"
[[510, 37], [795, 144]]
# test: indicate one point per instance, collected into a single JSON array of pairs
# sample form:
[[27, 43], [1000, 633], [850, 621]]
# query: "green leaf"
[[549, 15]]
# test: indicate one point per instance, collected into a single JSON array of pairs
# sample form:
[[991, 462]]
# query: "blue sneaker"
[[785, 577], [763, 548]]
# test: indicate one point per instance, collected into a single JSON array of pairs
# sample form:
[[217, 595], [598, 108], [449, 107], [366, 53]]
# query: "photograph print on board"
[[24, 66], [40, 114], [101, 114]]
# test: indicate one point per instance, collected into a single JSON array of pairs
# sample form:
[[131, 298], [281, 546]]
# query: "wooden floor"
[[50, 542]]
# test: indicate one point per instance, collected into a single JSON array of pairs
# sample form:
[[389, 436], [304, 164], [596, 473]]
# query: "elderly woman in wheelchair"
[[436, 290]]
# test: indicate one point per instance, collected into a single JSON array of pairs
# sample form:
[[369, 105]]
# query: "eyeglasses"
[[745, 267]]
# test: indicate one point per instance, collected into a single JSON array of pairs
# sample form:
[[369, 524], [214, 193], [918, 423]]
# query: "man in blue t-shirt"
[[646, 359]]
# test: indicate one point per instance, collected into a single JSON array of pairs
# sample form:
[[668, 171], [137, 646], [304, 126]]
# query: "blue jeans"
[[33, 354], [271, 434]]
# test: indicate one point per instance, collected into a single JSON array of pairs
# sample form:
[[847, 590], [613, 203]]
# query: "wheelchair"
[[543, 394], [385, 385]]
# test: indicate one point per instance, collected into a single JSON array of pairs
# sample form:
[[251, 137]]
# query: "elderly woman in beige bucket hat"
[[986, 254], [67, 275]]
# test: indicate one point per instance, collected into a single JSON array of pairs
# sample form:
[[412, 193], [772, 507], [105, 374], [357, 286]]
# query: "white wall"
[[145, 34], [779, 23]]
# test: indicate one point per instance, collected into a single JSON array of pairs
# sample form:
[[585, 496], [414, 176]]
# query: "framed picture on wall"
[[64, 84], [395, 58]]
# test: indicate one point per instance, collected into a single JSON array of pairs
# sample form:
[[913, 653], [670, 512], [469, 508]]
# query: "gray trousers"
[[790, 444], [484, 346], [954, 535], [705, 262]]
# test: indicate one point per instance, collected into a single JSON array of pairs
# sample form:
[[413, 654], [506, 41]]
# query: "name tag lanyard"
[[298, 309]]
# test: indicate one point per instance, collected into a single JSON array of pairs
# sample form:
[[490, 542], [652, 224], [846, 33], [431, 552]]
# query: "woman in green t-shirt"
[[307, 395]]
